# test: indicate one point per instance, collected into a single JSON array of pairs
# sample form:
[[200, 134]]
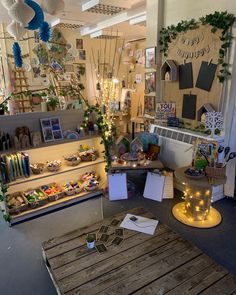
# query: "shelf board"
[[157, 164], [64, 169], [56, 205], [48, 144]]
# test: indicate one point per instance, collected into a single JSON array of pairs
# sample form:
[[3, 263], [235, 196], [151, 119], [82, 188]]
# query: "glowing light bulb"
[[198, 194], [201, 202], [115, 81], [197, 208]]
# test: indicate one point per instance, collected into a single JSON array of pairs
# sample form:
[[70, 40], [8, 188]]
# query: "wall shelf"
[[54, 206], [64, 169]]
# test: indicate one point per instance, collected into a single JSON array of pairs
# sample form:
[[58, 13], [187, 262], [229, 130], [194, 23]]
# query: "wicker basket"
[[56, 196], [37, 168], [88, 158], [17, 209], [215, 172], [73, 163], [41, 202]]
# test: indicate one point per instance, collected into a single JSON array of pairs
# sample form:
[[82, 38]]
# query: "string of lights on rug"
[[29, 15]]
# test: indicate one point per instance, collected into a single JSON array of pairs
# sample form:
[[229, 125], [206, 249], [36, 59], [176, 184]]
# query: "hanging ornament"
[[17, 55], [7, 3], [52, 6], [21, 12], [16, 30], [45, 32], [38, 19]]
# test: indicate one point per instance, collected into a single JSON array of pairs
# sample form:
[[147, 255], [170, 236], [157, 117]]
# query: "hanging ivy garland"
[[106, 130], [218, 20]]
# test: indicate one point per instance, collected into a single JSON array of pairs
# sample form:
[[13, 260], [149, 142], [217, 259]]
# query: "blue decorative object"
[[17, 55], [45, 32], [148, 138], [38, 19]]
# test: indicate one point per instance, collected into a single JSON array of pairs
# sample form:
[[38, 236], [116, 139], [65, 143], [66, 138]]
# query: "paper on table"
[[142, 224], [117, 184], [168, 192]]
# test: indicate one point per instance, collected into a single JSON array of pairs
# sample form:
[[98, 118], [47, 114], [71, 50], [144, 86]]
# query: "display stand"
[[65, 174], [196, 210]]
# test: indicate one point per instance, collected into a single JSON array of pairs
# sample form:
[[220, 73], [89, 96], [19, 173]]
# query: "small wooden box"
[[215, 172]]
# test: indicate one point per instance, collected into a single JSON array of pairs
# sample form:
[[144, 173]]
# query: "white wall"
[[177, 10]]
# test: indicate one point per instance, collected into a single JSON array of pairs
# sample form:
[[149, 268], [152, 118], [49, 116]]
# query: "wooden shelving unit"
[[65, 174], [54, 206]]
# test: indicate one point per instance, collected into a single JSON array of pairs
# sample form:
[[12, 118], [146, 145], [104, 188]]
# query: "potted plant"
[[90, 242], [52, 103], [3, 107]]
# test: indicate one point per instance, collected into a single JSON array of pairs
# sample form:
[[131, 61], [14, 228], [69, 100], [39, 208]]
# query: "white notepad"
[[154, 187], [117, 185], [142, 224]]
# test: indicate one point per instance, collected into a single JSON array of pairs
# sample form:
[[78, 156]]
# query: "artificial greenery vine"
[[218, 20], [106, 129]]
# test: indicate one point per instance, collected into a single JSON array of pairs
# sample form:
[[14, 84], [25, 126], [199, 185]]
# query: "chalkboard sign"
[[189, 106], [186, 76], [206, 76], [173, 122]]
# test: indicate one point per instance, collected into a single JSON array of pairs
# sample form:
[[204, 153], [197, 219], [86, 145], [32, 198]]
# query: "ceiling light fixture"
[[89, 4], [138, 20]]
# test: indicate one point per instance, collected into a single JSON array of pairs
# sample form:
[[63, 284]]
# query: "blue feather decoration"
[[38, 19], [17, 55], [45, 32]]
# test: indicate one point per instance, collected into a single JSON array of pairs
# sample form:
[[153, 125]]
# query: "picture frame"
[[51, 129], [79, 44], [82, 54], [150, 57], [150, 82], [150, 105]]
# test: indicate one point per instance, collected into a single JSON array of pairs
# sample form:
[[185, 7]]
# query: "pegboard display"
[[198, 51]]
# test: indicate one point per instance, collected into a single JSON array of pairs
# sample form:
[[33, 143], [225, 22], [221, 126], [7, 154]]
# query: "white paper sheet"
[[117, 185], [154, 187], [142, 224], [168, 192]]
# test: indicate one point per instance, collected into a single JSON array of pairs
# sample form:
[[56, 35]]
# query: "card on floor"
[[104, 238], [103, 229], [119, 232], [92, 236], [115, 222], [117, 241], [101, 248]]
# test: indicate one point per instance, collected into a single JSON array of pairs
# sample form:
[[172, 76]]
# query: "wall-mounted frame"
[[150, 82], [51, 129], [150, 57], [149, 105]]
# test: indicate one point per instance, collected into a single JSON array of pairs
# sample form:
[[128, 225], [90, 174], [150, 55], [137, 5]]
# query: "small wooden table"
[[142, 264]]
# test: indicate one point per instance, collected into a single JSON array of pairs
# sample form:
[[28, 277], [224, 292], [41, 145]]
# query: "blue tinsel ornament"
[[17, 55], [38, 19], [45, 32]]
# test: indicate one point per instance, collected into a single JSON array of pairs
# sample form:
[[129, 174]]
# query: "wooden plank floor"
[[163, 263]]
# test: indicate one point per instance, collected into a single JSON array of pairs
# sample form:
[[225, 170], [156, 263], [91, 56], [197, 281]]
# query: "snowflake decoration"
[[214, 120]]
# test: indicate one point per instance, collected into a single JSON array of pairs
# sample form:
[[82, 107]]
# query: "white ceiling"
[[73, 14]]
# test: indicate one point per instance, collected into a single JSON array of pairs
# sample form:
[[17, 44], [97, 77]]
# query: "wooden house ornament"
[[201, 113], [169, 71]]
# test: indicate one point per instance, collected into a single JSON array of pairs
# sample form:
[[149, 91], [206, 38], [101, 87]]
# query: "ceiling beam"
[[114, 20], [138, 20]]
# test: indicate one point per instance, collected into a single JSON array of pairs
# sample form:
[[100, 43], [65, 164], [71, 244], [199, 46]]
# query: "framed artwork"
[[150, 82], [79, 44], [165, 110], [82, 55], [149, 105], [51, 129], [150, 57], [69, 68]]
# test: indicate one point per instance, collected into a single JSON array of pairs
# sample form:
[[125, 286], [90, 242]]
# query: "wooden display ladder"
[[21, 85]]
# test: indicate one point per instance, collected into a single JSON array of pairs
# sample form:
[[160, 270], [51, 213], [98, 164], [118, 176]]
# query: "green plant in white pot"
[[90, 242]]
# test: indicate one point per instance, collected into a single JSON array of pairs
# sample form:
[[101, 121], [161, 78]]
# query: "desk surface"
[[142, 264], [203, 182], [152, 165]]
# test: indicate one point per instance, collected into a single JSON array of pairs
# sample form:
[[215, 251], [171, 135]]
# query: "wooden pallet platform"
[[142, 264]]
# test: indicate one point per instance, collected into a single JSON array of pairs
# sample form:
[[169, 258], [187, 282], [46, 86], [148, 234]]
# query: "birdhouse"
[[201, 117], [169, 71]]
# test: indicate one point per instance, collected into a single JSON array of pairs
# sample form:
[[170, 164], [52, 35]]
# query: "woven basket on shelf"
[[215, 172]]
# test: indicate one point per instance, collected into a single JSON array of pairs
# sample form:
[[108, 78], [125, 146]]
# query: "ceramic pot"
[[91, 245]]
